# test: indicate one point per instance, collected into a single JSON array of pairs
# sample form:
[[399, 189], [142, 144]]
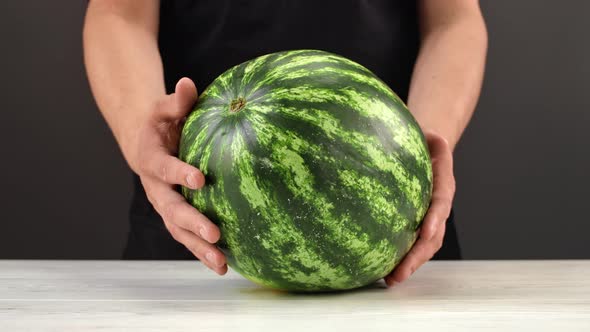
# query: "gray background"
[[521, 166]]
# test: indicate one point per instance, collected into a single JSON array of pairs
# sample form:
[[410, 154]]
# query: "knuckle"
[[150, 199], [195, 248], [160, 208], [141, 161], [160, 105], [169, 212], [438, 244], [446, 193], [149, 163], [442, 217], [189, 171], [438, 241], [188, 178], [141, 166], [168, 170], [453, 191], [440, 203], [197, 228], [163, 171], [452, 187], [446, 205], [172, 230]]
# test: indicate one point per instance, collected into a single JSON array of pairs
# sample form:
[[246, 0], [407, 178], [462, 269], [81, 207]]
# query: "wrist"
[[128, 144], [440, 129], [126, 136]]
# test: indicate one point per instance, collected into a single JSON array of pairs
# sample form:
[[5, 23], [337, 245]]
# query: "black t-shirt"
[[201, 39]]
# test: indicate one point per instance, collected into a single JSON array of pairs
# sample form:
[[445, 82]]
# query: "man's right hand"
[[152, 156], [125, 72]]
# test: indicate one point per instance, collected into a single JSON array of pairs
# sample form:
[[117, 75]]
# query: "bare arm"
[[445, 87], [449, 70], [126, 76], [123, 64]]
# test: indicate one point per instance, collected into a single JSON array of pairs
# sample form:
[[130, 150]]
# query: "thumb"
[[186, 96], [180, 103]]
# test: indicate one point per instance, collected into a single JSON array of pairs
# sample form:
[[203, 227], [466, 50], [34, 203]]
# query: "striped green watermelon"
[[317, 174]]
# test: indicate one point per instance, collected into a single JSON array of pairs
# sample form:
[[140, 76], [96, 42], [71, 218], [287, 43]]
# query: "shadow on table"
[[263, 292]]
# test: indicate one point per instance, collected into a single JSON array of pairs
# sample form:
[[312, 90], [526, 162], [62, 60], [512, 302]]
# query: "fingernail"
[[391, 283], [190, 180], [210, 257], [202, 233]]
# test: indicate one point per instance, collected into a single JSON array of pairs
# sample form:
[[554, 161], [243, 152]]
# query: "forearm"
[[448, 74], [123, 64]]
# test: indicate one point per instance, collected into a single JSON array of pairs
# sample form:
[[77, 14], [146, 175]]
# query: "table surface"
[[184, 296]]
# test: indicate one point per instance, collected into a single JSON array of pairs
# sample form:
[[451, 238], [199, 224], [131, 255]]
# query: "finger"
[[177, 105], [174, 209], [441, 154], [416, 257], [172, 170], [437, 144], [443, 187], [186, 96], [436, 217], [207, 253], [420, 253]]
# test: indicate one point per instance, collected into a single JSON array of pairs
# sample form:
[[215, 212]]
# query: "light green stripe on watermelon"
[[216, 195], [287, 159], [407, 136], [363, 144], [374, 193], [280, 229], [199, 139], [410, 139], [327, 70], [349, 63], [286, 72], [253, 68], [361, 78]]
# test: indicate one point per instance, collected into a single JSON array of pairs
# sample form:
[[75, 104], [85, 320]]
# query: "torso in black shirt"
[[202, 39]]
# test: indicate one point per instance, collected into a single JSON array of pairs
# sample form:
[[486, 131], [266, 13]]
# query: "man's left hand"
[[432, 231]]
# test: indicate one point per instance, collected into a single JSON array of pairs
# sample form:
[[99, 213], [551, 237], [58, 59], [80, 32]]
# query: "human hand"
[[433, 226], [153, 159]]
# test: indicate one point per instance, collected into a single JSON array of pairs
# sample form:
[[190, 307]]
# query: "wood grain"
[[184, 296]]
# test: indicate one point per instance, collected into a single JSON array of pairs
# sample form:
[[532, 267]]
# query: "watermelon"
[[316, 173]]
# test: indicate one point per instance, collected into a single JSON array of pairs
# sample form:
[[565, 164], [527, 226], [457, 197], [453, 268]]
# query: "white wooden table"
[[183, 296]]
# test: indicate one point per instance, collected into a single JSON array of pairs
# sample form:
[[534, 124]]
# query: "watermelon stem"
[[237, 104]]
